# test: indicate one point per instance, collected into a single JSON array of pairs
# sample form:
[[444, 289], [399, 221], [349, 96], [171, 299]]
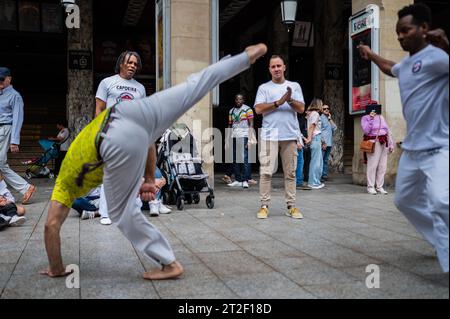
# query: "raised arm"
[[384, 64]]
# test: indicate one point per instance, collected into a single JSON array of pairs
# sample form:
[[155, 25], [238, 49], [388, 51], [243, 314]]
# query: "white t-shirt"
[[280, 124], [423, 80], [115, 89], [64, 134], [314, 118]]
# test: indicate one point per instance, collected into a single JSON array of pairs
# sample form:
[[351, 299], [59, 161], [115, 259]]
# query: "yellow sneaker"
[[294, 213], [263, 213]]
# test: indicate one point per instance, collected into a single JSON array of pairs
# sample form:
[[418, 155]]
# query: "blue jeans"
[[299, 172], [83, 203], [326, 154], [240, 159], [316, 163]]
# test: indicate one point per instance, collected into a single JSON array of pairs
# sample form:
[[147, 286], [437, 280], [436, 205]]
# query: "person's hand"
[[324, 146], [438, 38], [54, 274], [299, 146], [14, 148], [148, 191], [308, 141], [372, 114], [391, 149], [364, 51]]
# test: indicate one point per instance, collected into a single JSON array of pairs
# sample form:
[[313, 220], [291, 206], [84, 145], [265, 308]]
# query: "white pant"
[[137, 124], [103, 206], [422, 196], [377, 165], [11, 177]]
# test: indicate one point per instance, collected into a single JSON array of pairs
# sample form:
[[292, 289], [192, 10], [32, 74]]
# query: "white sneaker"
[[105, 221], [163, 209], [87, 214], [154, 208], [245, 184], [317, 187], [371, 191], [382, 191], [235, 184], [17, 220]]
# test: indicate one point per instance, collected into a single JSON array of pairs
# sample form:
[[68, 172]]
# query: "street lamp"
[[67, 3], [288, 13]]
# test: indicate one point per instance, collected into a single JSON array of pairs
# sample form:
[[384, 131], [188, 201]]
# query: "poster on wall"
[[363, 74], [8, 15]]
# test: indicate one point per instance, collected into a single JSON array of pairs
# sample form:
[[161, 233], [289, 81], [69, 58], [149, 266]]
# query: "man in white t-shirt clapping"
[[279, 101]]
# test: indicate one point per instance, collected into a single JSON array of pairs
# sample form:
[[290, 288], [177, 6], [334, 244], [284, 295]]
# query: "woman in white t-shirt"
[[315, 141]]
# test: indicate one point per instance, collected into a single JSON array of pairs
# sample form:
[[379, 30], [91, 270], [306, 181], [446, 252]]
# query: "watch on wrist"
[[275, 104]]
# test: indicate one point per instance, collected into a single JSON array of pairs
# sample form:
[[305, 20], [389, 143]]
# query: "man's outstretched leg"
[[159, 111]]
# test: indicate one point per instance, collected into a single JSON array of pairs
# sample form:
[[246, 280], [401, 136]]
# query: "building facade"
[[179, 37]]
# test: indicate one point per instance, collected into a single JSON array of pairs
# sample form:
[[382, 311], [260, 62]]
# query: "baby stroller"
[[37, 167], [178, 160]]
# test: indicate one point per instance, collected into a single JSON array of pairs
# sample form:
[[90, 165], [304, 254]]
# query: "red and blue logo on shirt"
[[417, 66]]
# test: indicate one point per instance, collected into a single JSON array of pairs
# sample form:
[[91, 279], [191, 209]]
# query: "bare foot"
[[256, 51], [170, 271], [48, 272]]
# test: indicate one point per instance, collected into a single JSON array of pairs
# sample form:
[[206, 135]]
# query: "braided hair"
[[127, 55]]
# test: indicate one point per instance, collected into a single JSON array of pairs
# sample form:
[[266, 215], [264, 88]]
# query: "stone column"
[[389, 90], [329, 45], [191, 52], [80, 95]]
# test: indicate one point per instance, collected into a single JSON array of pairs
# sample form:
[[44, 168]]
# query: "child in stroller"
[[178, 160], [37, 167]]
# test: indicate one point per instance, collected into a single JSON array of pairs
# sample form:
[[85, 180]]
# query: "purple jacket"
[[371, 125]]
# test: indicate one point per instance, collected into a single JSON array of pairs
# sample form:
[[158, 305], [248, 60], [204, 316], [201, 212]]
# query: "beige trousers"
[[268, 158]]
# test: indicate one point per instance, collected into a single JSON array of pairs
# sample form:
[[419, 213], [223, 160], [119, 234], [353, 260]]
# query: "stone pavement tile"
[[354, 290], [36, 286], [204, 242], [5, 272], [344, 223], [190, 286], [120, 285], [238, 234], [270, 249], [219, 223], [399, 283], [338, 256], [440, 279], [406, 259], [34, 257], [11, 254], [418, 245], [310, 271], [271, 285], [233, 263], [380, 234]]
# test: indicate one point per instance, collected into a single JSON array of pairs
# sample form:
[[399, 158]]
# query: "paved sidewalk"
[[228, 253]]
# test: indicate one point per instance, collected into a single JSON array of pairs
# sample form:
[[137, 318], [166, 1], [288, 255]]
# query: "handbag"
[[369, 145]]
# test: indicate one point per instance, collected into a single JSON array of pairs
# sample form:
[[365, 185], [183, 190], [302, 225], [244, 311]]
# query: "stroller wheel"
[[196, 198], [28, 174], [180, 203], [210, 202]]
